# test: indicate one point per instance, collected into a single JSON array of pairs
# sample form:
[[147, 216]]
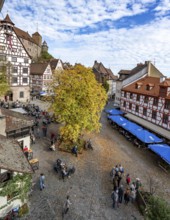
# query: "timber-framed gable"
[[16, 59]]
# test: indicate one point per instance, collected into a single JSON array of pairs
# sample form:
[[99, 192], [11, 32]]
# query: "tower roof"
[[36, 33], [45, 43], [7, 20]]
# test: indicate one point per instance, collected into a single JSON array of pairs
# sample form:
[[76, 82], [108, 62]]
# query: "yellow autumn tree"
[[78, 103]]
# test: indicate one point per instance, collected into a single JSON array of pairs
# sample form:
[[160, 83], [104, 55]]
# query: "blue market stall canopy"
[[163, 150], [142, 134], [147, 137], [114, 112], [118, 119]]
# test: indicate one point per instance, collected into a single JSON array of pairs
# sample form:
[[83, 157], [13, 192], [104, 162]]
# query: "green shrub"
[[157, 209]]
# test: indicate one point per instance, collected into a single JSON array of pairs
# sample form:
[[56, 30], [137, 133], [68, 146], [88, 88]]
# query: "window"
[[138, 98], [137, 108], [131, 95], [147, 87], [124, 94], [130, 105], [153, 114], [14, 80], [2, 48], [145, 111], [44, 76], [15, 69], [167, 104], [25, 80], [14, 59], [146, 99], [124, 104], [2, 58], [155, 101], [165, 119], [25, 60], [21, 94], [25, 70]]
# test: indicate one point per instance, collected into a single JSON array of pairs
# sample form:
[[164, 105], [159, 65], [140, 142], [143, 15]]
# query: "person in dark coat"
[[127, 196], [121, 193]]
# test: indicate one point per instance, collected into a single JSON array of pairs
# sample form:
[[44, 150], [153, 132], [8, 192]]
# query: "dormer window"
[[138, 85], [149, 86]]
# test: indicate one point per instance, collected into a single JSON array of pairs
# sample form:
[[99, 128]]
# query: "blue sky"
[[118, 33]]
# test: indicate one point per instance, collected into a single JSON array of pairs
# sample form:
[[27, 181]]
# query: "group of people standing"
[[122, 193]]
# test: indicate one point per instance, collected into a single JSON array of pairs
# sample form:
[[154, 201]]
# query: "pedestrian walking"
[[120, 194], [38, 132], [114, 197], [119, 178], [44, 129], [42, 181], [138, 183], [33, 139], [66, 206], [133, 195], [128, 179], [127, 196]]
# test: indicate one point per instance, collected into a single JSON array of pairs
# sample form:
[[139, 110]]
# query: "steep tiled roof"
[[38, 68], [7, 20], [110, 75], [144, 82], [25, 35], [127, 72], [138, 68], [106, 72], [15, 120], [166, 82], [12, 157], [54, 62]]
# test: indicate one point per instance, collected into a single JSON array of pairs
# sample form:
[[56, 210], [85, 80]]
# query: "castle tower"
[[44, 47], [37, 38]]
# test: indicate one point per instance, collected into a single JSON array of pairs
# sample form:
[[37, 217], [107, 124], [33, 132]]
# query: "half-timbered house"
[[147, 101], [40, 77], [16, 60], [127, 77]]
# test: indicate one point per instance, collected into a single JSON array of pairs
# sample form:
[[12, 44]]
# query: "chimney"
[[139, 64], [147, 62]]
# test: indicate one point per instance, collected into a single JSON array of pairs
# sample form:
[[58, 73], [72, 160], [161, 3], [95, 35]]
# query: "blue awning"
[[142, 134], [147, 137], [163, 150], [117, 119], [114, 111]]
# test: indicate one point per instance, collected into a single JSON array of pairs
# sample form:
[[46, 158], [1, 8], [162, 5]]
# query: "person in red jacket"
[[128, 179]]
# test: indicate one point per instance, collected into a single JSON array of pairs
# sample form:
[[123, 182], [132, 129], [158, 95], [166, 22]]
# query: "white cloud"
[[116, 48]]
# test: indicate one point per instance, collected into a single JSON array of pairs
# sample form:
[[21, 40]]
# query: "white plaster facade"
[[16, 60]]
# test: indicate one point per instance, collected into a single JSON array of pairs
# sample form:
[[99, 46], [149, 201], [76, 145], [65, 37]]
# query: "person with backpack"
[[127, 196]]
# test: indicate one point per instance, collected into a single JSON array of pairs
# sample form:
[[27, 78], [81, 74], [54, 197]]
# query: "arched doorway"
[[9, 96]]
